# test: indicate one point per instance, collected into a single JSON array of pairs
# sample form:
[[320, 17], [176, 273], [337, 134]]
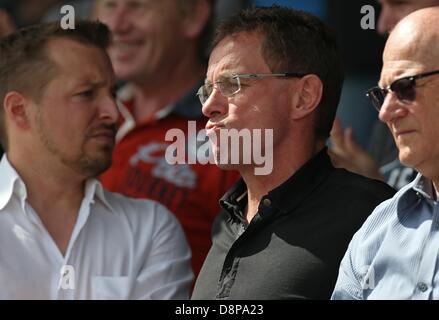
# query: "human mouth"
[[125, 48], [107, 136], [403, 133], [211, 128]]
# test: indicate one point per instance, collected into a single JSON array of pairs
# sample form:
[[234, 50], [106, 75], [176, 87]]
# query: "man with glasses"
[[380, 161], [159, 51], [281, 235], [394, 255]]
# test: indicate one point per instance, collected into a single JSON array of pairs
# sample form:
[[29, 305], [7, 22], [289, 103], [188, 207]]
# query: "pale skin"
[[345, 151], [69, 134], [285, 105], [413, 48], [155, 49]]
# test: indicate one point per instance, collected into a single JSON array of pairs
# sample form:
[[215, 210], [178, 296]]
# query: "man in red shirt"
[[158, 50]]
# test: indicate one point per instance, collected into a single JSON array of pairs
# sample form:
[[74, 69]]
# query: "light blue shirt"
[[395, 253]]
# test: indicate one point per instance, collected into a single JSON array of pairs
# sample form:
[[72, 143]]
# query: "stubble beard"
[[81, 163]]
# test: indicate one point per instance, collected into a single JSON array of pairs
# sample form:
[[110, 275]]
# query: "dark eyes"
[[113, 92], [90, 94], [86, 94]]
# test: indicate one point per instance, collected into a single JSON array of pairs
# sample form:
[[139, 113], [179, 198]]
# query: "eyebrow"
[[94, 84], [222, 77]]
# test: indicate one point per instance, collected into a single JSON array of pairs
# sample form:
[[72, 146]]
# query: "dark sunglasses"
[[403, 88]]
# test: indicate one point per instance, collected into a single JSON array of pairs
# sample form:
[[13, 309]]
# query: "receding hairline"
[[419, 22], [416, 36]]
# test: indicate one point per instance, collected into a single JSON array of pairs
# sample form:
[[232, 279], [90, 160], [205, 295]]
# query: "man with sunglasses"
[[380, 161], [394, 255], [281, 235]]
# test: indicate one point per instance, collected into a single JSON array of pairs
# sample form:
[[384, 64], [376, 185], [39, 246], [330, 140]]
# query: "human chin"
[[408, 155], [125, 71], [93, 165], [94, 159]]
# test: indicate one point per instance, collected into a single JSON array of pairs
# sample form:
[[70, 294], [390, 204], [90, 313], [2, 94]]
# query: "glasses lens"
[[229, 86], [404, 89], [201, 95], [204, 92], [377, 96]]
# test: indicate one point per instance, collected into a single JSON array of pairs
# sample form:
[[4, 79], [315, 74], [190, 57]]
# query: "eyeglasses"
[[404, 89], [230, 86]]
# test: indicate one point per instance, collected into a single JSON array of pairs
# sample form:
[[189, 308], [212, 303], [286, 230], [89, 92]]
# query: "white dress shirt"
[[120, 248]]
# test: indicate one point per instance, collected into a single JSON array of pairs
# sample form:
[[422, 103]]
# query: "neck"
[[160, 91], [49, 186], [283, 168]]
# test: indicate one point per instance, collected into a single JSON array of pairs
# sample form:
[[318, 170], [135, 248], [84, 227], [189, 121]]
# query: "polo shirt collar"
[[235, 200], [288, 195]]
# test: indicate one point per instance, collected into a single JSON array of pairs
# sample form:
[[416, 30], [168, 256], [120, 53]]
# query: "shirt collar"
[[300, 184], [424, 186], [94, 190], [235, 200], [420, 187], [11, 183], [188, 106]]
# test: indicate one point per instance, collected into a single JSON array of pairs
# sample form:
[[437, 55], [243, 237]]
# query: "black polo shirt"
[[293, 247]]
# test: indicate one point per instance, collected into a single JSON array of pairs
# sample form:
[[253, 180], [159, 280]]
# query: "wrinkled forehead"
[[396, 69], [240, 53], [408, 53]]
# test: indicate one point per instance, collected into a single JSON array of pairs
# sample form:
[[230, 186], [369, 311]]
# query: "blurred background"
[[361, 49]]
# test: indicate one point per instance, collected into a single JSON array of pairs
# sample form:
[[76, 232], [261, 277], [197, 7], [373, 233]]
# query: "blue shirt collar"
[[420, 188]]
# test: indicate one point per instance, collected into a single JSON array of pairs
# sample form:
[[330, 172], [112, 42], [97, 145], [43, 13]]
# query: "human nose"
[[391, 108], [109, 110], [216, 104]]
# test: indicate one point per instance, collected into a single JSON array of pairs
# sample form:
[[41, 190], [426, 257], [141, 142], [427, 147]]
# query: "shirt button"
[[266, 202], [422, 286]]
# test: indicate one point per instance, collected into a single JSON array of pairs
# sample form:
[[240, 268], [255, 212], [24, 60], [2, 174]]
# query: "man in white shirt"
[[61, 235]]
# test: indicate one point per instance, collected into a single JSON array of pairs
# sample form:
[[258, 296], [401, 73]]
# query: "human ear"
[[309, 94], [14, 105]]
